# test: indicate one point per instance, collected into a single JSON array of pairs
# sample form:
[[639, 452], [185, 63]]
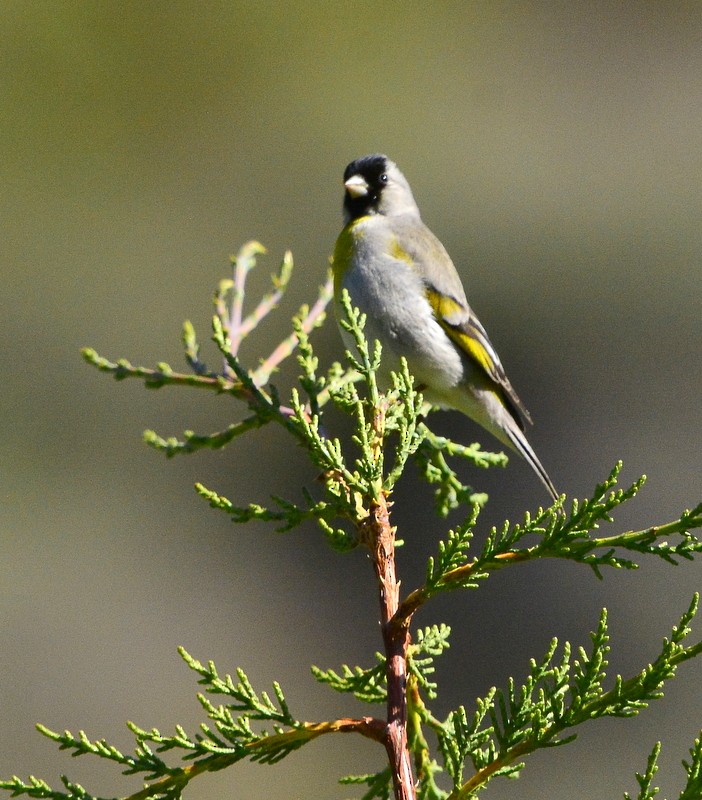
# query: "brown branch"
[[379, 536]]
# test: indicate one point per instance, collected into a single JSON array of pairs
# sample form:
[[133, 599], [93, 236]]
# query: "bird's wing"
[[466, 331], [447, 298]]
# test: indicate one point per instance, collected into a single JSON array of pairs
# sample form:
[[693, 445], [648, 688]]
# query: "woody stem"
[[380, 537]]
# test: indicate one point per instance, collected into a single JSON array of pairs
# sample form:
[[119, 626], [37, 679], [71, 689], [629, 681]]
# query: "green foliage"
[[495, 735], [367, 685], [451, 492], [646, 790], [560, 693], [229, 737], [379, 784], [693, 770]]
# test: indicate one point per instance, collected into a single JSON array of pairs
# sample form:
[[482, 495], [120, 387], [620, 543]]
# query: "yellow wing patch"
[[398, 252], [473, 348], [469, 336], [449, 313]]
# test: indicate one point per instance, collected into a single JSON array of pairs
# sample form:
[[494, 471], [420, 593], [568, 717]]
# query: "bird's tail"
[[486, 405], [522, 446]]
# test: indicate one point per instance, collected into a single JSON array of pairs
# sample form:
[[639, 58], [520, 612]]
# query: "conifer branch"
[[351, 503], [559, 695]]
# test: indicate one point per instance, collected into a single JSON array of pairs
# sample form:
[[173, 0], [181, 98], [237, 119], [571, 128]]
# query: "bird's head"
[[374, 185]]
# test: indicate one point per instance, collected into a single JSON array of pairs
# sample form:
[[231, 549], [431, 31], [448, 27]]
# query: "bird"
[[399, 274]]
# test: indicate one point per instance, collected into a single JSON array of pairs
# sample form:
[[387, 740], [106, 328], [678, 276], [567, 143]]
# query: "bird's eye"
[[383, 178]]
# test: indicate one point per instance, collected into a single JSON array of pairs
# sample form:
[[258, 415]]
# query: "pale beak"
[[356, 186]]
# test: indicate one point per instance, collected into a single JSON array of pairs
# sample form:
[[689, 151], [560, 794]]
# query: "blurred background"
[[555, 148]]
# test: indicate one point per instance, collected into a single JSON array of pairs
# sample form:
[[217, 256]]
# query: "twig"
[[312, 319], [165, 376], [366, 726], [419, 596], [243, 263]]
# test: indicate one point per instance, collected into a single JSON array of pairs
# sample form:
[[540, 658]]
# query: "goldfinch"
[[400, 275]]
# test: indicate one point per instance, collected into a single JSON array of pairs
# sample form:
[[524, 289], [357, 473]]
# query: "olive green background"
[[555, 148]]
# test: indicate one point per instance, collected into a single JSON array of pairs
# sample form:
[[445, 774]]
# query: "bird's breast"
[[383, 284]]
